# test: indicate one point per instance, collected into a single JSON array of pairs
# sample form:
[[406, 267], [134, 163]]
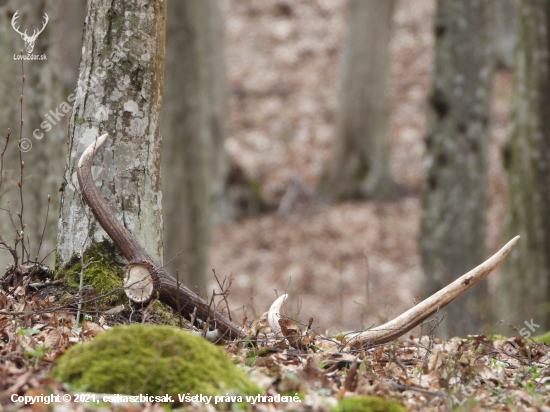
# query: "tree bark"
[[194, 160], [359, 165], [119, 92], [454, 192], [525, 281], [505, 17], [42, 92]]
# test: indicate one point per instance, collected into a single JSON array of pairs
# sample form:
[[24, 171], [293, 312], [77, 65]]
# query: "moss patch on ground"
[[543, 338], [368, 404], [156, 360], [102, 271]]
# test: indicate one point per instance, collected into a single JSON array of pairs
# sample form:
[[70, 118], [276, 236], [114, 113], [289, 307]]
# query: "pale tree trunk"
[[44, 160], [525, 283], [119, 92], [194, 160], [454, 193], [359, 165]]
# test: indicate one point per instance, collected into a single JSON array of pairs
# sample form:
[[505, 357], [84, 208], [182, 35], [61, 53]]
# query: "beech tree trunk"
[[119, 92], [454, 193], [359, 165], [194, 160], [44, 159], [525, 282]]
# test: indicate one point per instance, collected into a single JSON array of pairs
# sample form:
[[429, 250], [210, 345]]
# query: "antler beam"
[[416, 315], [145, 278], [419, 313]]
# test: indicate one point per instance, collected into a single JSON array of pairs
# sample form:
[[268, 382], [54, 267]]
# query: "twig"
[[8, 134], [224, 292], [44, 229], [178, 297], [22, 164]]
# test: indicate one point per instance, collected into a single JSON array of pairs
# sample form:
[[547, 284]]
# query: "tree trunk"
[[525, 281], [505, 17], [119, 92], [359, 165], [42, 93], [69, 42], [193, 153], [454, 193]]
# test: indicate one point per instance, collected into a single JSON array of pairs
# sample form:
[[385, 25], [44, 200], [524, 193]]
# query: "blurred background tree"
[[43, 92], [202, 186], [193, 157], [525, 285], [359, 165], [455, 190]]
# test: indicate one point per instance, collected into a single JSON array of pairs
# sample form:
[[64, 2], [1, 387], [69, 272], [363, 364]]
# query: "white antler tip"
[[93, 148], [274, 315]]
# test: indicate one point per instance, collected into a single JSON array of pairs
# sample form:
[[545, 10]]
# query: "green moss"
[[79, 120], [156, 360], [368, 404], [497, 337], [543, 338], [103, 272], [165, 316]]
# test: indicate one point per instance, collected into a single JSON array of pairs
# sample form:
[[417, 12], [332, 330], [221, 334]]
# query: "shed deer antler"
[[415, 316], [145, 278], [29, 40]]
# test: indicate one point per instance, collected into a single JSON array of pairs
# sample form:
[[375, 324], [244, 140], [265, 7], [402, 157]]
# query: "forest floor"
[[353, 264]]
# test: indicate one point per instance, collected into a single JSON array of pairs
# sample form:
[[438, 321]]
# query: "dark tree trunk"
[[525, 283], [194, 160], [454, 193]]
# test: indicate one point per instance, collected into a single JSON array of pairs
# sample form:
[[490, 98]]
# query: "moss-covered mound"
[[368, 404], [154, 360]]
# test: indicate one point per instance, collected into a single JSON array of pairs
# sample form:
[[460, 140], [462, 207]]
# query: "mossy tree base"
[[103, 271]]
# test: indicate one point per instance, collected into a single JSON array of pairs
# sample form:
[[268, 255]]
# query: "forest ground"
[[356, 263]]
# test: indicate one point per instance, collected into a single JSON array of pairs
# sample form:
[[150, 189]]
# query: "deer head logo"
[[29, 40]]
